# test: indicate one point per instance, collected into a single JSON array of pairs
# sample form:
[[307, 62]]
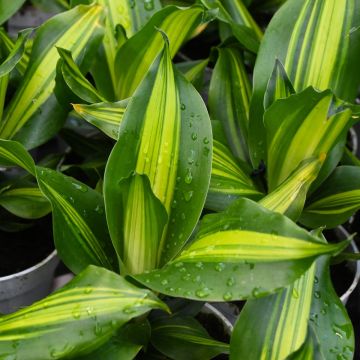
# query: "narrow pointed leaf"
[[8, 9], [169, 142], [229, 98], [228, 180], [105, 116], [34, 100], [135, 57], [76, 81], [280, 325], [79, 223], [16, 54], [246, 252], [13, 154], [194, 71], [27, 203], [288, 140], [184, 338], [279, 85], [318, 42], [289, 197], [336, 200], [76, 319]]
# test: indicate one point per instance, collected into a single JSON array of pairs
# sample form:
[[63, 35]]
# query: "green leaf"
[[34, 102], [194, 71], [288, 123], [76, 81], [25, 202], [184, 338], [16, 54], [126, 343], [228, 180], [329, 319], [8, 9], [318, 44], [336, 200], [76, 319], [289, 197], [135, 57], [229, 98], [275, 326], [279, 85], [13, 154], [241, 25], [169, 142], [80, 231], [105, 116], [245, 252]]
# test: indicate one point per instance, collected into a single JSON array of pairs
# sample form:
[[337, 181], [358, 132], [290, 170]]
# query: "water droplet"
[[174, 204], [206, 140], [186, 277], [188, 177], [128, 310], [76, 313], [230, 281], [99, 209], [317, 294], [170, 289], [89, 310], [206, 151], [196, 279], [113, 323], [295, 293], [199, 265], [179, 264], [256, 292], [194, 136], [98, 330], [183, 106], [188, 195], [148, 5], [164, 282], [316, 280], [202, 293], [178, 179], [81, 187], [183, 216], [227, 296], [183, 269], [323, 311], [88, 290], [220, 267]]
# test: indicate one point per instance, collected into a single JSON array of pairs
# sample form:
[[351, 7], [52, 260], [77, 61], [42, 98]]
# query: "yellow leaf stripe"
[[320, 33], [234, 245], [39, 79], [17, 160], [79, 227]]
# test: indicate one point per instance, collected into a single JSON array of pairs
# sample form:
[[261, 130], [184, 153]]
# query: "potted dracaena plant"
[[269, 157]]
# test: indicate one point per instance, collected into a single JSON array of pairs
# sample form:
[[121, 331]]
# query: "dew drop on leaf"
[[202, 293], [230, 281], [220, 267], [227, 296], [183, 106], [194, 136]]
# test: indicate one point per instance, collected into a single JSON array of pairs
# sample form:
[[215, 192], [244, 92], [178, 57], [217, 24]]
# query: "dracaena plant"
[[267, 158]]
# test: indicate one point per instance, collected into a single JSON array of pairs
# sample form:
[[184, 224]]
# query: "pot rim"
[[40, 264], [227, 323]]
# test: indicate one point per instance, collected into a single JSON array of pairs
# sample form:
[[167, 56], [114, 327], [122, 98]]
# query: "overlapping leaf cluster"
[[263, 155]]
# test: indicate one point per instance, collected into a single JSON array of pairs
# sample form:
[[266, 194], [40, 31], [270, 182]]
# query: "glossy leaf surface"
[[318, 42], [228, 180], [229, 98], [246, 252], [135, 57], [162, 159], [336, 200], [76, 319], [34, 99], [184, 338]]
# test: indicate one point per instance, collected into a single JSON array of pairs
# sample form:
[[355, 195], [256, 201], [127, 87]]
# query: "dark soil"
[[23, 249]]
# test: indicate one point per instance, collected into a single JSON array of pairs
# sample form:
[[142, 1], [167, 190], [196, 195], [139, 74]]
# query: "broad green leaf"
[[229, 98], [329, 319], [80, 231], [76, 81], [228, 180], [8, 9], [13, 154], [242, 25], [25, 202], [8, 45], [183, 338], [279, 85], [245, 252], [76, 319], [275, 326], [318, 42], [34, 101], [289, 122], [124, 345], [165, 136], [135, 57], [336, 200], [16, 54], [194, 71], [105, 116], [289, 197]]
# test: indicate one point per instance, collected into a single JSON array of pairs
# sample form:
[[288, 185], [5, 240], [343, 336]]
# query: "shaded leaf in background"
[[8, 9]]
